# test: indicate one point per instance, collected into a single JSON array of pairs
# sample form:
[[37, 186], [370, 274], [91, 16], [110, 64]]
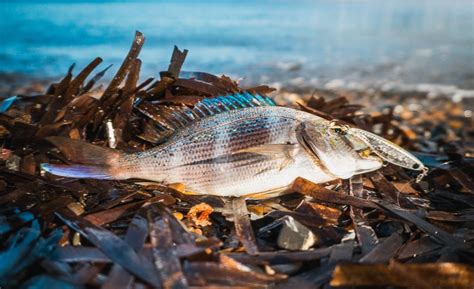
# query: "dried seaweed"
[[243, 226], [437, 275]]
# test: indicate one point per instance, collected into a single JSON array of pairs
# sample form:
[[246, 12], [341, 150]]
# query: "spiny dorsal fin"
[[177, 117]]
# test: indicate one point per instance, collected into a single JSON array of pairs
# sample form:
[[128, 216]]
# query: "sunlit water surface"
[[324, 42]]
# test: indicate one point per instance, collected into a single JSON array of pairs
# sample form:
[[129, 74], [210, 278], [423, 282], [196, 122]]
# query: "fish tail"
[[78, 171], [89, 161]]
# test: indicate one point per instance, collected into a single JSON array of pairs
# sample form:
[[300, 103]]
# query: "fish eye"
[[415, 166], [340, 130]]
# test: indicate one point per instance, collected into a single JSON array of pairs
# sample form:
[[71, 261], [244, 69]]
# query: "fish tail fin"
[[89, 161], [81, 152], [78, 171]]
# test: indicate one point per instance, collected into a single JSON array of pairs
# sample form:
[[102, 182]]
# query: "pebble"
[[295, 236]]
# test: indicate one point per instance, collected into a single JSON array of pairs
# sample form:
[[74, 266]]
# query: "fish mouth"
[[368, 164]]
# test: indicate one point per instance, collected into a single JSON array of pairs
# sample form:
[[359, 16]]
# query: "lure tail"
[[91, 161]]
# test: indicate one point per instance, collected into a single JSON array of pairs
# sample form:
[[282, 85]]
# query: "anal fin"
[[268, 194]]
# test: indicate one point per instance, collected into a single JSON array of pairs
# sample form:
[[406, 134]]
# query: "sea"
[[318, 43]]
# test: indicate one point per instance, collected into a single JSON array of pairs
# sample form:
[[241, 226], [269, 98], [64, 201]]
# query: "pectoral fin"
[[275, 151], [271, 149]]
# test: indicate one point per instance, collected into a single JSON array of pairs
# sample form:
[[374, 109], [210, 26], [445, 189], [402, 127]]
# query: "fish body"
[[236, 152], [252, 150]]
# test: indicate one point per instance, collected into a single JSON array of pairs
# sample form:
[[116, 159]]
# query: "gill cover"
[[334, 152]]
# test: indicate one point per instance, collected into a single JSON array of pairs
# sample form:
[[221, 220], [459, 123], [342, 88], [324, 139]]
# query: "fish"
[[238, 145]]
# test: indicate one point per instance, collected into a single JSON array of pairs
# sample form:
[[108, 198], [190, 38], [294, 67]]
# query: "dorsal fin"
[[211, 106], [177, 117]]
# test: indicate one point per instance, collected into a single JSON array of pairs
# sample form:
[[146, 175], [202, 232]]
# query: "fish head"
[[341, 154], [345, 151], [368, 143]]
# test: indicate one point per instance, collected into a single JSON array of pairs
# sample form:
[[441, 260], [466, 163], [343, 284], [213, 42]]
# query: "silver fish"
[[239, 145]]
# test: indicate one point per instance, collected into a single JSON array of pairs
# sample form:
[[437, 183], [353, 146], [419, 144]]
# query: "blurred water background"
[[319, 43]]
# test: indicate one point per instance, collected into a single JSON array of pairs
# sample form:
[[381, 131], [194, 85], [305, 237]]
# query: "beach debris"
[[295, 236], [243, 227], [435, 275], [199, 214]]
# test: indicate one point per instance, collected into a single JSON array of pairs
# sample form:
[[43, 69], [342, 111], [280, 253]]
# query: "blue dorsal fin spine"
[[235, 101], [228, 103], [177, 117], [211, 106], [245, 98]]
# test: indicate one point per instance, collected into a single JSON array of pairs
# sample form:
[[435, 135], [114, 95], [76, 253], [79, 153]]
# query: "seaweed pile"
[[381, 229]]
